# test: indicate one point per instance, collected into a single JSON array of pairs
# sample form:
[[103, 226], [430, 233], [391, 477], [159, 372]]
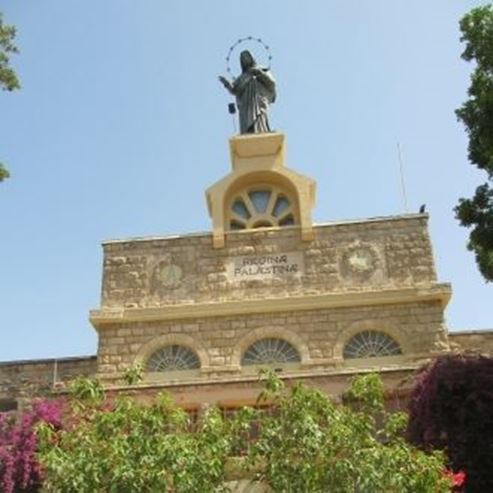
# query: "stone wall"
[[372, 254], [472, 340], [319, 336], [229, 297], [24, 379]]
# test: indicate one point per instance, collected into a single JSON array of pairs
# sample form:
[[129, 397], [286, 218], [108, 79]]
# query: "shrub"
[[451, 409], [19, 468]]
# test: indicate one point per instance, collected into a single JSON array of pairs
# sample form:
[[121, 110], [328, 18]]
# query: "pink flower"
[[459, 478], [456, 478], [19, 469]]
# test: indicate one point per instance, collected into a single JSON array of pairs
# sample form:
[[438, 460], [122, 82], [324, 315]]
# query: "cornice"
[[332, 373], [106, 317]]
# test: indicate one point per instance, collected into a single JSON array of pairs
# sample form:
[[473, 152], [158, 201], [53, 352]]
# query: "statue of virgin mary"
[[254, 90]]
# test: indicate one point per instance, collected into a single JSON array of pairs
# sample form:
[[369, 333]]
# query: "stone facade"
[[215, 296], [397, 251], [319, 336], [371, 275]]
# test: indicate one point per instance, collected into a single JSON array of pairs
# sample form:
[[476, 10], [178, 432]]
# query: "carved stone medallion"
[[167, 275], [359, 260], [170, 275]]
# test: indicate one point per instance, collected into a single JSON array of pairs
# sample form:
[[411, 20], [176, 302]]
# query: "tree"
[[302, 442], [119, 445], [477, 115], [311, 444], [8, 78], [451, 410]]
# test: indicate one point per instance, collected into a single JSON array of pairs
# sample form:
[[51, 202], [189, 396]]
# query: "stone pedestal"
[[259, 159]]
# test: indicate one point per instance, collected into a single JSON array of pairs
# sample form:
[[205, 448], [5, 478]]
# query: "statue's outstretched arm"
[[227, 84]]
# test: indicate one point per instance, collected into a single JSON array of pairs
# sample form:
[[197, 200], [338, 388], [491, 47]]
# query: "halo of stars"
[[243, 40]]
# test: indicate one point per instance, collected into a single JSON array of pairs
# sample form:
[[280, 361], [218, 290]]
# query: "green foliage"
[[477, 115], [4, 172], [124, 446], [305, 443], [313, 445], [86, 391], [8, 78], [134, 374]]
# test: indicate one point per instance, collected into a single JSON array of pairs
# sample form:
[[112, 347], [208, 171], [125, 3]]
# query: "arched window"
[[270, 351], [172, 358], [263, 206], [371, 344]]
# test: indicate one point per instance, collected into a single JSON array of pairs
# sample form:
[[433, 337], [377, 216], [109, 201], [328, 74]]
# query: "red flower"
[[457, 479]]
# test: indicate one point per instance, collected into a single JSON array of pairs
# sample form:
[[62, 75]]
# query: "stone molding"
[[405, 366], [440, 292]]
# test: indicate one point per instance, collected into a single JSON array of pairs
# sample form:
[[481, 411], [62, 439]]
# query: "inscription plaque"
[[263, 267]]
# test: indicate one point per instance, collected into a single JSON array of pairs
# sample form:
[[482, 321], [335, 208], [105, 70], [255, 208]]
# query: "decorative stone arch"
[[276, 188], [153, 345], [387, 328], [270, 333], [257, 159]]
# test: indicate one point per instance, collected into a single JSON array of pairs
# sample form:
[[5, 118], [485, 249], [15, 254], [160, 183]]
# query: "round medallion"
[[170, 275], [359, 260]]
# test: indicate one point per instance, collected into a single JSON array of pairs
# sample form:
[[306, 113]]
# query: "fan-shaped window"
[[260, 199], [239, 208], [371, 344], [281, 205], [173, 358], [287, 221], [261, 207], [270, 351]]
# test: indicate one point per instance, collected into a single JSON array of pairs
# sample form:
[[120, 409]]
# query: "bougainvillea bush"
[[19, 469], [451, 409]]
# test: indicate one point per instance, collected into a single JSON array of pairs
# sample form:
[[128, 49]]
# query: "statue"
[[254, 90]]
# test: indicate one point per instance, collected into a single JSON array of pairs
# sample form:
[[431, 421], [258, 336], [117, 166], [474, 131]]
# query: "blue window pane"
[[239, 208], [282, 203], [287, 221], [260, 200]]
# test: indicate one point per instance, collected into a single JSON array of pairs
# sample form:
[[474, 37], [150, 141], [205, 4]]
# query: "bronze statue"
[[254, 90]]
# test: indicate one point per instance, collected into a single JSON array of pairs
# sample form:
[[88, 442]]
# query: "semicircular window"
[[269, 351], [371, 344], [261, 207], [172, 358]]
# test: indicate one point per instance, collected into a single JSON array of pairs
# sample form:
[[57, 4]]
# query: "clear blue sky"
[[121, 125]]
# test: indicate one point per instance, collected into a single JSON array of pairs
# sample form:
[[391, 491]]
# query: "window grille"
[[270, 351], [371, 344], [261, 207], [173, 358]]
